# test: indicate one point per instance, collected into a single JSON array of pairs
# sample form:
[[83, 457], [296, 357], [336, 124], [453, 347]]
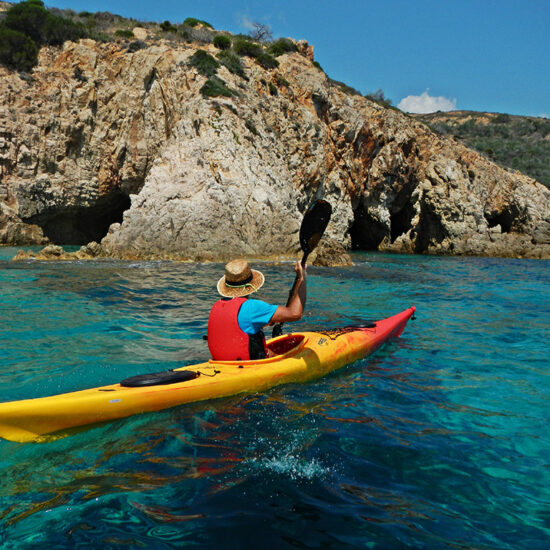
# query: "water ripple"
[[439, 440]]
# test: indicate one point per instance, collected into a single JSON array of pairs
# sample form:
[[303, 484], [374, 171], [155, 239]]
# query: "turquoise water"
[[440, 440]]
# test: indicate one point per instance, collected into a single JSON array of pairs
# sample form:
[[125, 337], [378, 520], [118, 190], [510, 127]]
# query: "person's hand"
[[300, 271]]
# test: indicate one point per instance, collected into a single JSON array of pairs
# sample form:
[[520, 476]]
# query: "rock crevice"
[[105, 144]]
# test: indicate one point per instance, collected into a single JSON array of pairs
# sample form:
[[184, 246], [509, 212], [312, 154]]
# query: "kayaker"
[[235, 325]]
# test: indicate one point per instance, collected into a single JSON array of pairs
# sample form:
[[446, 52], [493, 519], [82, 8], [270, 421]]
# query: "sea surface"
[[439, 440]]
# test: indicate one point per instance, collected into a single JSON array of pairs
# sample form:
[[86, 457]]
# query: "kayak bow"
[[301, 356]]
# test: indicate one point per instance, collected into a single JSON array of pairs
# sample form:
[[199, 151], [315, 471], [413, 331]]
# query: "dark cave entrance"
[[401, 220], [505, 219], [82, 225], [366, 232]]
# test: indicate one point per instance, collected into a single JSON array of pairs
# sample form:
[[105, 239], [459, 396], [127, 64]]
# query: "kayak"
[[299, 357]]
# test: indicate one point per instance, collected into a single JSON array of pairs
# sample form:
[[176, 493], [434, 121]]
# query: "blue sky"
[[482, 55]]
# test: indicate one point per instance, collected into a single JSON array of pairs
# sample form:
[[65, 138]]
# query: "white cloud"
[[425, 103], [246, 22]]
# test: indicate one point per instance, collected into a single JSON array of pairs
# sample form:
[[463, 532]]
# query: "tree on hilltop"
[[260, 32]]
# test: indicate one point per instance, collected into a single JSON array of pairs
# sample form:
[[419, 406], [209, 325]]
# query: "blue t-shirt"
[[255, 315]]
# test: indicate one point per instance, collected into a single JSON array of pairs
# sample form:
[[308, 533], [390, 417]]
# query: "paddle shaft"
[[296, 279], [278, 328], [313, 226]]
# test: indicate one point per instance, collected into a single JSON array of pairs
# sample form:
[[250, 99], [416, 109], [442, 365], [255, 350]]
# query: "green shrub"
[[33, 20], [232, 62], [204, 63], [273, 89], [267, 61], [516, 142], [124, 33], [222, 42], [317, 65], [58, 30], [17, 51], [501, 118], [192, 22], [242, 46], [91, 24], [215, 87], [137, 45], [281, 46], [380, 98], [28, 18], [85, 14], [166, 26]]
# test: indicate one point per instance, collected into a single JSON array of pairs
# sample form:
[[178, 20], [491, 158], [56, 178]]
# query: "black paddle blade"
[[314, 224]]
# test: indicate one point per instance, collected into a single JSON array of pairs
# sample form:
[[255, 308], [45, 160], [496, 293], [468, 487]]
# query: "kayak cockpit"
[[281, 348], [286, 344]]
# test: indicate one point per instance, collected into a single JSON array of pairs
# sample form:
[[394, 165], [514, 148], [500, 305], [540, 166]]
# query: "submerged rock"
[[330, 253], [53, 252], [50, 252]]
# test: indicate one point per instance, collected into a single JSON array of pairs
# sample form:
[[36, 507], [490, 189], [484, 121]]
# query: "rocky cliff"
[[103, 143]]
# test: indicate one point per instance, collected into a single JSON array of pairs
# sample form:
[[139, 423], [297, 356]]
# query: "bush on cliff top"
[[222, 42], [29, 25], [34, 20], [242, 46], [204, 63], [192, 22], [281, 46], [17, 51], [166, 26], [124, 33]]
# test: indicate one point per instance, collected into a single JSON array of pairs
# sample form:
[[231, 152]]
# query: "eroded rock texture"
[[105, 144]]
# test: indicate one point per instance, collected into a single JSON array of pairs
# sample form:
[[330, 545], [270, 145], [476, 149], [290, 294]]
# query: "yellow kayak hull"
[[313, 355]]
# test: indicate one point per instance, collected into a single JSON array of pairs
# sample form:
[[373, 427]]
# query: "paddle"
[[313, 226]]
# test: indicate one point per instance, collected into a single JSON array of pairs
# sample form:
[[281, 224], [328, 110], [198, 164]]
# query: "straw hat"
[[239, 280]]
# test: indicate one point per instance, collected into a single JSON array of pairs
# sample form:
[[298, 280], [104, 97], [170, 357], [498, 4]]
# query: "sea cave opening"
[[81, 225], [401, 220], [505, 219], [366, 232]]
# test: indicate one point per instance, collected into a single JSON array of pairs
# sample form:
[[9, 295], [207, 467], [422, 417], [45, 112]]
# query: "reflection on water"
[[439, 440]]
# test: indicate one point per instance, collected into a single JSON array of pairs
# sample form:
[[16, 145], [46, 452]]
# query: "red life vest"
[[226, 340]]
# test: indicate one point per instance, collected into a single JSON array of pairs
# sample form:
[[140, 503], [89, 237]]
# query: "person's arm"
[[295, 309]]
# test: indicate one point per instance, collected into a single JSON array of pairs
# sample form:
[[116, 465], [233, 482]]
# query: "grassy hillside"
[[518, 142]]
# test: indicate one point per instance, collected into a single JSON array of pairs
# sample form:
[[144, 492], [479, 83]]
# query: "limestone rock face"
[[102, 143], [13, 230], [217, 191]]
